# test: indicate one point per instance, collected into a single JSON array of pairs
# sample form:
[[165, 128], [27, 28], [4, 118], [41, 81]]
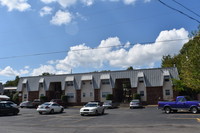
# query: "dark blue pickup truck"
[[182, 103]]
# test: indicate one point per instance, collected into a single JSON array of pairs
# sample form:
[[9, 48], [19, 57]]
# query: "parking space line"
[[83, 119], [198, 119]]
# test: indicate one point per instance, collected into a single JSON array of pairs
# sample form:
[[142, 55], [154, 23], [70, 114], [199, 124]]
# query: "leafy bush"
[[64, 98], [136, 96], [15, 97], [109, 97], [43, 98]]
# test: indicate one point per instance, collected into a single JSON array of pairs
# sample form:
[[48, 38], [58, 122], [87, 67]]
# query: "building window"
[[70, 95], [104, 94], [166, 78], [167, 92], [69, 83], [25, 96], [83, 82], [141, 79], [24, 85], [90, 82], [41, 95], [41, 85], [105, 81], [91, 94], [141, 93], [84, 95]]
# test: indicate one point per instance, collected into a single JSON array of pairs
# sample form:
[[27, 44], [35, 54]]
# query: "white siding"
[[24, 94], [87, 89], [42, 91], [141, 87], [70, 90], [167, 85], [105, 88]]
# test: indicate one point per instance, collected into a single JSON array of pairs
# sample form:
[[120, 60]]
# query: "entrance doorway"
[[122, 92], [55, 90]]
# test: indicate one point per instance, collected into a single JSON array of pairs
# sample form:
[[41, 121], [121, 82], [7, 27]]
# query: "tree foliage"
[[188, 64], [12, 83], [130, 68]]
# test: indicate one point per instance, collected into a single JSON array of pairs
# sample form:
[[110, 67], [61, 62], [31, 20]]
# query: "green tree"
[[46, 74], [15, 97], [12, 83], [130, 68], [188, 64]]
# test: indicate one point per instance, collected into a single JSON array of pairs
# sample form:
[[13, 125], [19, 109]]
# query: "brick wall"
[[154, 94], [78, 97], [33, 95], [97, 95]]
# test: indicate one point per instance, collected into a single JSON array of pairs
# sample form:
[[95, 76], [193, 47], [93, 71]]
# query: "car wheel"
[[40, 113], [15, 113], [52, 111], [103, 112], [167, 110], [194, 110], [96, 113], [82, 114], [61, 110]]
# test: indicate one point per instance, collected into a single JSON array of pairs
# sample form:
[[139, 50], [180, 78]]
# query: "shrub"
[[109, 97], [64, 98], [43, 98], [136, 96], [15, 97]]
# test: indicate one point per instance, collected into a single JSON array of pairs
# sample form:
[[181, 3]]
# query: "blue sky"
[[89, 35]]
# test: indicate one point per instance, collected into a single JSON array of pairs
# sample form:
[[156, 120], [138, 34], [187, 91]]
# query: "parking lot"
[[120, 120]]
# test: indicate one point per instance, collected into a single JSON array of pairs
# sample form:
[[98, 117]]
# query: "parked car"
[[11, 103], [135, 103], [110, 104], [26, 104], [59, 101], [182, 103], [36, 102], [92, 108], [50, 107], [6, 108]]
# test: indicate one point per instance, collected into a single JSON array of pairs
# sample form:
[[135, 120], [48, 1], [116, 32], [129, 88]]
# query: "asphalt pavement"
[[120, 120]]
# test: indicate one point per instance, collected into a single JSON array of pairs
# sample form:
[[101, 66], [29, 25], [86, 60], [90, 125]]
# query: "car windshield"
[[135, 101], [107, 102], [91, 105], [46, 104]]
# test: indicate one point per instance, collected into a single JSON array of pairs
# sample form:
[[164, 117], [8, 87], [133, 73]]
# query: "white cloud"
[[146, 1], [88, 2], [9, 71], [61, 17], [113, 53], [67, 3], [128, 2], [43, 69], [138, 55], [48, 1], [20, 5], [45, 11]]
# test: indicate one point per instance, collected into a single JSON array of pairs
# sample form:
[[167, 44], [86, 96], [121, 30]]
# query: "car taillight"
[[47, 107]]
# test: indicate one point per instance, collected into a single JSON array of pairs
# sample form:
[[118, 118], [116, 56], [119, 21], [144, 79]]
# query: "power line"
[[186, 8], [178, 11], [58, 52]]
